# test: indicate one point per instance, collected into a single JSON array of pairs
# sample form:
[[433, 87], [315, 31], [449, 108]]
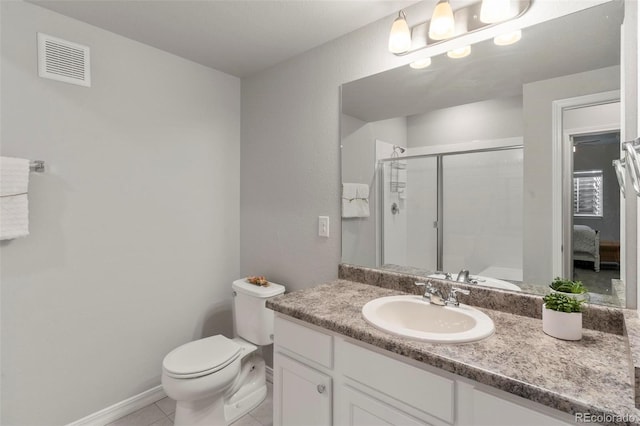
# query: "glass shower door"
[[482, 211]]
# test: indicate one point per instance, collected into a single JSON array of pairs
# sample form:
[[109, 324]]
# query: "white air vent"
[[63, 60]]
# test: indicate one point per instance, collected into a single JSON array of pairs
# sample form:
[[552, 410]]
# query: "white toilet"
[[216, 380]]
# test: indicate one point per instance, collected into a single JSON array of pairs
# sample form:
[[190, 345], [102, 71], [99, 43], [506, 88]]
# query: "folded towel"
[[14, 204], [355, 200], [14, 176], [14, 217]]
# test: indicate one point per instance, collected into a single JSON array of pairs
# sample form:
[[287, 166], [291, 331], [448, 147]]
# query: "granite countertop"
[[592, 375]]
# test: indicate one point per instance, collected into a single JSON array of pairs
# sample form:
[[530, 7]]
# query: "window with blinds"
[[587, 193]]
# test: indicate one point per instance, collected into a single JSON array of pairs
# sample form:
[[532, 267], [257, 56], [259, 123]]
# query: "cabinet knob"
[[321, 388]]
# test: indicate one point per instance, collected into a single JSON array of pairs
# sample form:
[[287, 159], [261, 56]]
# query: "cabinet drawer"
[[305, 342], [424, 391]]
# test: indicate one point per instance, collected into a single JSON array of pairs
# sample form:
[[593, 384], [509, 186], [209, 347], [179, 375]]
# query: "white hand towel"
[[355, 200], [14, 176], [14, 204]]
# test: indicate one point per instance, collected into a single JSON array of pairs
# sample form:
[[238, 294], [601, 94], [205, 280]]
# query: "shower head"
[[399, 148]]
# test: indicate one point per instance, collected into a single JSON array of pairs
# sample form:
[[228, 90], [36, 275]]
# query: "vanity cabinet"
[[356, 408], [323, 378], [304, 394], [484, 408], [302, 375]]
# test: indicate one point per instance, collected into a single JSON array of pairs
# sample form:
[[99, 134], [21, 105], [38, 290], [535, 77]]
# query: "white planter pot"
[[562, 325]]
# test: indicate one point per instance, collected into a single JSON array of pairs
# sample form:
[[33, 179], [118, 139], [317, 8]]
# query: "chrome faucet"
[[463, 276], [453, 296], [432, 294]]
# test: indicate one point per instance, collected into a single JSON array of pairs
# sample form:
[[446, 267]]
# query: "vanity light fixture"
[[445, 25], [493, 11], [400, 35], [420, 63], [508, 38], [460, 52], [442, 25], [461, 19]]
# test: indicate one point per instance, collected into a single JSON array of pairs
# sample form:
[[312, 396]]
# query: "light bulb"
[[420, 63], [493, 11], [442, 25], [460, 52], [400, 35], [508, 38]]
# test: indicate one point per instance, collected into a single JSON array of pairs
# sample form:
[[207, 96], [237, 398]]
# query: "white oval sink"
[[485, 282], [415, 318]]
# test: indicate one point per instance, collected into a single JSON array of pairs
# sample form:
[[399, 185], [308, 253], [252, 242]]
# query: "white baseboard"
[[269, 374], [128, 406], [122, 408]]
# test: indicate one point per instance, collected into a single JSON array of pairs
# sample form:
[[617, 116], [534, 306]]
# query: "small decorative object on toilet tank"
[[562, 316], [258, 280]]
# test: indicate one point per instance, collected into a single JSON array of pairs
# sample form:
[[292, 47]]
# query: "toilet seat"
[[201, 357]]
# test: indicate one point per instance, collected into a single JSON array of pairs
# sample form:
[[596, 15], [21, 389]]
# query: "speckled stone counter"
[[632, 331], [595, 317], [588, 376]]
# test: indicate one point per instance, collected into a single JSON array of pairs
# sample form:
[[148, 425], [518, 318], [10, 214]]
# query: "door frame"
[[562, 167], [567, 190]]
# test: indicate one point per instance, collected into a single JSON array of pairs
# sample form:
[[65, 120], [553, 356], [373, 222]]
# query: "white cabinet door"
[[359, 409], [490, 410], [302, 395]]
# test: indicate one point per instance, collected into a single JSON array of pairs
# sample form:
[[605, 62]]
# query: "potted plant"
[[570, 288], [562, 316]]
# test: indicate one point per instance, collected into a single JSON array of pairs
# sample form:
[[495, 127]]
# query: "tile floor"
[[162, 413]]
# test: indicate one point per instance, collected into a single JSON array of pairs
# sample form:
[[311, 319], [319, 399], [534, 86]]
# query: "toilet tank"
[[254, 321]]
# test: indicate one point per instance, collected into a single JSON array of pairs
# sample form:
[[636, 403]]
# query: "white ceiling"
[[238, 37]]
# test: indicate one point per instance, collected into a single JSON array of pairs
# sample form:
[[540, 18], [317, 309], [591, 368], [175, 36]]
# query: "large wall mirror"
[[451, 167]]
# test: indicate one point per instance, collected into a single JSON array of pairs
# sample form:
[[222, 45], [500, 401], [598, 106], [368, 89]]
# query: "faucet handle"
[[432, 294], [447, 275], [453, 296]]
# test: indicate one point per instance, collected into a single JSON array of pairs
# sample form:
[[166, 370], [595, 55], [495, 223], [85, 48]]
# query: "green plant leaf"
[[562, 303], [568, 286]]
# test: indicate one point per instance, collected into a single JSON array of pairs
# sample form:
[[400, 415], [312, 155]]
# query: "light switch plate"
[[323, 226]]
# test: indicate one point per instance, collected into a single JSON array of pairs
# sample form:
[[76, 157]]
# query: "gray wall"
[[358, 142], [290, 163], [538, 149], [491, 119], [290, 158], [599, 157], [134, 226]]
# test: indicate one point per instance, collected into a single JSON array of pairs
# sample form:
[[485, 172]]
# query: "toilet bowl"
[[216, 380]]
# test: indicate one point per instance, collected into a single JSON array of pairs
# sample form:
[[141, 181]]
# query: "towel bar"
[[37, 166]]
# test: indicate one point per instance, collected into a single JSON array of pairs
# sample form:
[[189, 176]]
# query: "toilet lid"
[[200, 357]]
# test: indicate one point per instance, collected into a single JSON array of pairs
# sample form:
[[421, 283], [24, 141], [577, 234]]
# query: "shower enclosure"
[[455, 210]]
